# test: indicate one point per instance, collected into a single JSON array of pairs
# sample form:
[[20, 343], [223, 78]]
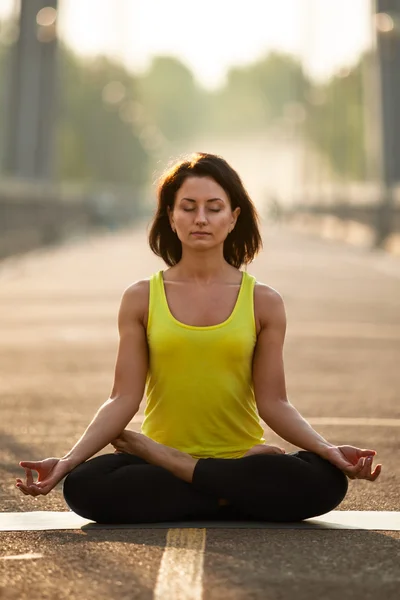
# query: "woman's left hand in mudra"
[[356, 463]]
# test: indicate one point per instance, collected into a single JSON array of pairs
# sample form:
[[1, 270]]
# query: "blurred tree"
[[169, 92], [97, 140], [255, 95], [335, 121], [111, 123]]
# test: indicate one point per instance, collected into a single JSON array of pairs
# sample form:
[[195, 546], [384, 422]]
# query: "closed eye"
[[211, 209]]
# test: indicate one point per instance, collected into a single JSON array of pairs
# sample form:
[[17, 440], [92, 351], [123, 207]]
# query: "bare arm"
[[269, 378], [129, 381]]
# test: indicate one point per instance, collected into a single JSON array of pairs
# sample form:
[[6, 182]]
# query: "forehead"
[[200, 188]]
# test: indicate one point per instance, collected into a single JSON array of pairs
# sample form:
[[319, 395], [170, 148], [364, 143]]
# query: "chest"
[[201, 307]]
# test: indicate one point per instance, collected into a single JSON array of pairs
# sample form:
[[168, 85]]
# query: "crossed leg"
[[123, 488]]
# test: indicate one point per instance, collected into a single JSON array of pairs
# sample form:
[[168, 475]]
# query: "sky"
[[211, 36]]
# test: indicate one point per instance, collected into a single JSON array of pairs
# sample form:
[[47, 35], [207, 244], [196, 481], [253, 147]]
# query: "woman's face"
[[202, 205]]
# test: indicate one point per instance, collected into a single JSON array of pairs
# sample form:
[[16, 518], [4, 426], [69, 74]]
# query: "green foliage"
[[255, 96], [335, 121], [169, 93], [95, 143], [111, 124]]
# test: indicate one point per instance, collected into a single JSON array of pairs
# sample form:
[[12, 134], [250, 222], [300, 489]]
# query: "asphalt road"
[[58, 344]]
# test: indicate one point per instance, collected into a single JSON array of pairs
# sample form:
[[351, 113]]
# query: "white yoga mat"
[[353, 519]]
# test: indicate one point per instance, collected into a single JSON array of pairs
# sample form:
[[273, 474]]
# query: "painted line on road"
[[27, 556], [180, 576], [353, 331], [355, 421]]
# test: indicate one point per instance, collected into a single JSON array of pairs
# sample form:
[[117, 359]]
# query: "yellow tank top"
[[199, 386]]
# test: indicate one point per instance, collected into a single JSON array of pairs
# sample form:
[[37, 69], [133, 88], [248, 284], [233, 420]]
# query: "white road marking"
[[355, 331], [356, 421], [22, 556], [180, 576]]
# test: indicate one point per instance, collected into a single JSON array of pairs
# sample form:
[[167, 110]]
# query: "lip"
[[200, 233]]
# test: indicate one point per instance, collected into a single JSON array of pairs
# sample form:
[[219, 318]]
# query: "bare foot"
[[265, 449], [130, 442], [179, 463]]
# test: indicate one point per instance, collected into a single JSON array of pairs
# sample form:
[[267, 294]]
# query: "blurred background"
[[97, 96]]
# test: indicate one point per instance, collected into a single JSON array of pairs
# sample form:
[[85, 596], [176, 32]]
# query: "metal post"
[[387, 29], [29, 151]]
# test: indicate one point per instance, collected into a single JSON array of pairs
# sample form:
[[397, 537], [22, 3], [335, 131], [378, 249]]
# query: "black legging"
[[123, 488]]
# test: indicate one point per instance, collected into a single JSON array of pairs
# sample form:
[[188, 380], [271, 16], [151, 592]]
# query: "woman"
[[205, 340]]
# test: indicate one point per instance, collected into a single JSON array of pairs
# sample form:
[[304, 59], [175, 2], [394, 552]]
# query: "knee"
[[334, 483], [79, 489]]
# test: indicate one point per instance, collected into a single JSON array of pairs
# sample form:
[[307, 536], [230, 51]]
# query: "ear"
[[235, 214]]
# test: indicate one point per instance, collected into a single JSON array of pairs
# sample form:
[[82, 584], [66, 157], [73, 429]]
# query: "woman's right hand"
[[50, 472]]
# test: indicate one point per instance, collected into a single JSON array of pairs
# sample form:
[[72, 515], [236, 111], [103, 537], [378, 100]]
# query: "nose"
[[201, 218]]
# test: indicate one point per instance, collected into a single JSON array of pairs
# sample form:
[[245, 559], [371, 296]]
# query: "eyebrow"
[[210, 200]]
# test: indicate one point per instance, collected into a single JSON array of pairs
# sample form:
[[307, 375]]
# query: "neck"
[[202, 267]]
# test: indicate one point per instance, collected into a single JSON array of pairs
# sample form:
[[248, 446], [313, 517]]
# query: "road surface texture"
[[58, 343]]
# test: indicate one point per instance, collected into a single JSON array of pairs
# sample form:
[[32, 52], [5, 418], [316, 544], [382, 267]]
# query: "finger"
[[40, 485], [365, 472], [30, 491], [376, 473], [43, 490], [365, 452], [353, 471], [20, 487], [35, 490], [29, 477], [28, 464]]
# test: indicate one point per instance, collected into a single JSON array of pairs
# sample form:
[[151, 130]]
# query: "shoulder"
[[269, 305], [135, 299]]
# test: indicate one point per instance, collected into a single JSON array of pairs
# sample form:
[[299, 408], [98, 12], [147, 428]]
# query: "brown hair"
[[242, 243]]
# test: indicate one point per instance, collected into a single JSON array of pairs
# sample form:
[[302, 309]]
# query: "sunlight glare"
[[114, 92], [383, 22], [46, 16]]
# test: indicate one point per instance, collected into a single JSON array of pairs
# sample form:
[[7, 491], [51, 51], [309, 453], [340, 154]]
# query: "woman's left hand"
[[354, 462]]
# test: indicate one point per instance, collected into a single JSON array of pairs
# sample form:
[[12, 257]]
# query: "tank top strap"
[[248, 286], [156, 297], [245, 302]]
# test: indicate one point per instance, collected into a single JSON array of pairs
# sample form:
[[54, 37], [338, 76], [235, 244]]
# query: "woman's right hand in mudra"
[[50, 472]]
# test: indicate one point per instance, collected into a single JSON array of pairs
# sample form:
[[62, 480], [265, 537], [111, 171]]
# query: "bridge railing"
[[36, 214], [362, 203]]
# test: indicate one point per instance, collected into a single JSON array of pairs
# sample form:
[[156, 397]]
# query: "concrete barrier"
[[34, 215]]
